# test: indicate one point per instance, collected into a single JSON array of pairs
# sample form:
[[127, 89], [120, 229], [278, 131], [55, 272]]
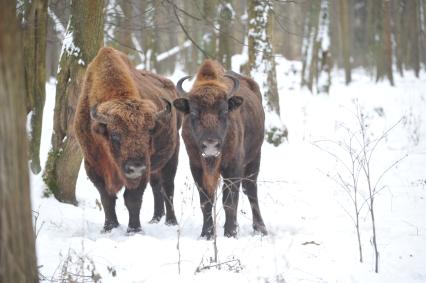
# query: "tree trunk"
[[17, 248], [317, 63], [400, 34], [123, 31], [261, 57], [209, 32], [34, 43], [83, 38], [271, 91], [414, 35], [225, 32], [150, 36], [345, 37], [387, 43], [309, 46], [262, 61]]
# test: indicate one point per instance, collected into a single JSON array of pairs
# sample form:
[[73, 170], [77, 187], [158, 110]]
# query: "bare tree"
[[386, 41], [226, 16], [316, 65], [345, 38], [261, 60], [261, 57], [34, 24], [354, 154], [83, 38], [17, 248]]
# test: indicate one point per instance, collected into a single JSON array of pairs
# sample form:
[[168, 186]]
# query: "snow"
[[68, 45], [311, 236], [59, 27]]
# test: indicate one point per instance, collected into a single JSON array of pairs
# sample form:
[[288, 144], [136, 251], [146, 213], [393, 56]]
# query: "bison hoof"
[[231, 234], [260, 229], [208, 235], [108, 227], [155, 219], [171, 221], [134, 230]]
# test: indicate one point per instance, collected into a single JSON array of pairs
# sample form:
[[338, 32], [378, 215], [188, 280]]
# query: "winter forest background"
[[342, 176]]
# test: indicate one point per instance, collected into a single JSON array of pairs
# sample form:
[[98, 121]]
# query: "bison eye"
[[115, 137], [223, 112]]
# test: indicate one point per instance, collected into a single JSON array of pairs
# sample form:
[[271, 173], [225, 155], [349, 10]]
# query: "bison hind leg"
[[136, 230], [158, 199], [168, 174], [250, 189], [109, 225]]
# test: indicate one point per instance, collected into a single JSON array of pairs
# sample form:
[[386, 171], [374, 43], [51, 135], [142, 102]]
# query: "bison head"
[[208, 106], [125, 128]]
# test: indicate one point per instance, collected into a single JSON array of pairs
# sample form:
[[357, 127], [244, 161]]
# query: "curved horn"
[[236, 84], [179, 85], [94, 115], [166, 109]]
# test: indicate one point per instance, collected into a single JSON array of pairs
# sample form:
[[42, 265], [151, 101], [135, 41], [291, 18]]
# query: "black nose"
[[133, 166], [210, 143]]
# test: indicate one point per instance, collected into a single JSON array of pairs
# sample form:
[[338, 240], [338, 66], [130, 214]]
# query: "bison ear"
[[182, 104], [234, 102]]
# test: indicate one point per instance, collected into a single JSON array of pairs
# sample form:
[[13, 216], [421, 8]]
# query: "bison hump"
[[210, 70]]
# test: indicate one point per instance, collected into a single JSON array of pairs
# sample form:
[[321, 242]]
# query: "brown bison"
[[223, 131], [128, 132]]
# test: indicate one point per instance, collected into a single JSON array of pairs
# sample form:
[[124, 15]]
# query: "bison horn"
[[236, 85], [179, 85], [94, 115], [166, 109]]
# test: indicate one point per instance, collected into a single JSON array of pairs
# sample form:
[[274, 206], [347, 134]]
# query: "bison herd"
[[127, 123]]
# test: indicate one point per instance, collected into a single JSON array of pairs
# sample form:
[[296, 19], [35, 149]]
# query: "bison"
[[128, 132], [223, 131]]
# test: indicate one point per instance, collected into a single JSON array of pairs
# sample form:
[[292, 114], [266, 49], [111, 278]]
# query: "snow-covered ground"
[[311, 235]]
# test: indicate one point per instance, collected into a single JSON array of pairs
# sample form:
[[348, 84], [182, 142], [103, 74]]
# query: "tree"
[[316, 65], [34, 42], [83, 38], [261, 60], [150, 36], [413, 58], [17, 248], [345, 38], [209, 15], [226, 17], [387, 42]]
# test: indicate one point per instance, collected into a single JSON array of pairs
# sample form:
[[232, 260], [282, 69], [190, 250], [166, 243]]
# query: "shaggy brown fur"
[[239, 130], [128, 127]]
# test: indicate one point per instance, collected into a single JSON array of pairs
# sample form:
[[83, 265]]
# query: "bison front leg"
[[133, 202], [108, 201], [206, 203], [250, 189], [230, 195]]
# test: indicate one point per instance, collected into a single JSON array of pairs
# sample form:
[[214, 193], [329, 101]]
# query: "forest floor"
[[311, 238]]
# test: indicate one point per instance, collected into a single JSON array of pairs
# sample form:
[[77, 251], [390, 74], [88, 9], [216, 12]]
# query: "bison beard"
[[128, 133], [224, 110]]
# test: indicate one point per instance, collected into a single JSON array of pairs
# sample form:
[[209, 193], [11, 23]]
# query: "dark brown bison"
[[128, 132], [223, 131]]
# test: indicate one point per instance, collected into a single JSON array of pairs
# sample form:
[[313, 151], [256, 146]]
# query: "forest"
[[341, 183]]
